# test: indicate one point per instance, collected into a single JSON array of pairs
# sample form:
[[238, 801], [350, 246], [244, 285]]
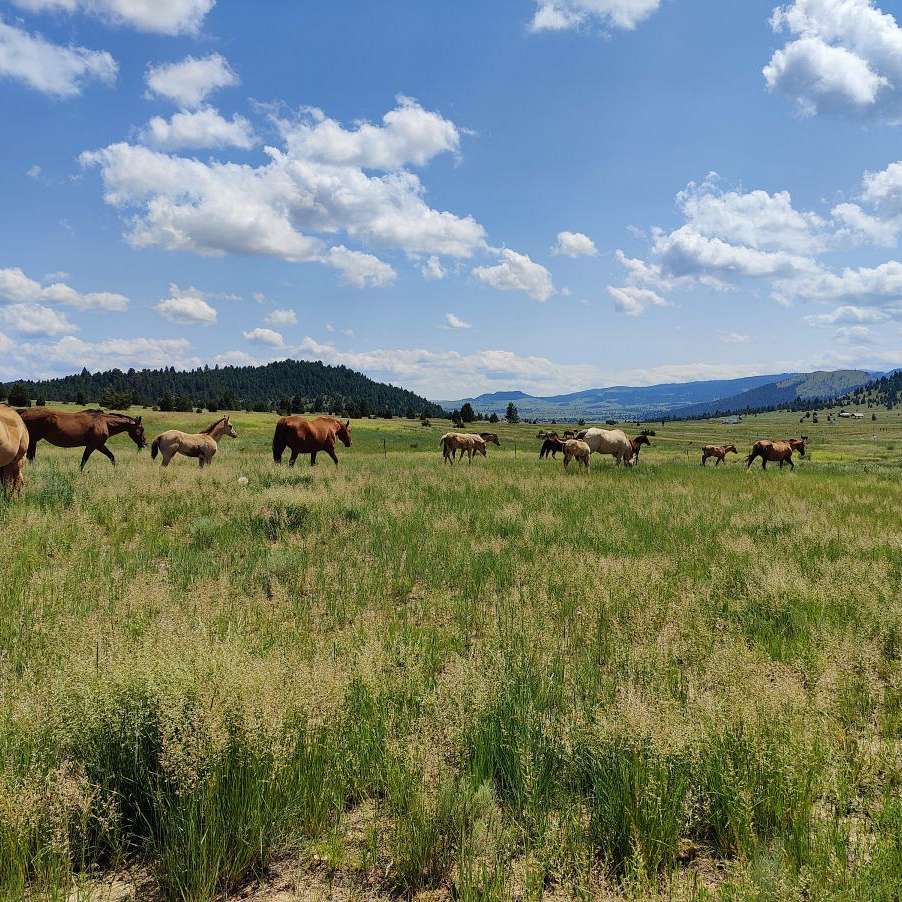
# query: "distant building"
[[731, 421]]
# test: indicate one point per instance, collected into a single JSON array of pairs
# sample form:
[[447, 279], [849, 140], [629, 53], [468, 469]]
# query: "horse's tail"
[[756, 450], [279, 441], [155, 448]]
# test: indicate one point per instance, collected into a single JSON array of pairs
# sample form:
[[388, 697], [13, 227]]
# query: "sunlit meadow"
[[504, 680]]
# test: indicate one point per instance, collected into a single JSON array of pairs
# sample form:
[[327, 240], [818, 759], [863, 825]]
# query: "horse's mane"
[[113, 413], [209, 429]]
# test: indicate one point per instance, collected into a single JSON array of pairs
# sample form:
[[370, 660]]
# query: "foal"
[[718, 451], [202, 445]]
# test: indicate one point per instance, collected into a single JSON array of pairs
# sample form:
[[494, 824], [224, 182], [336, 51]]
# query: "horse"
[[551, 446], [466, 443], [579, 449], [202, 445], [490, 438], [776, 451], [13, 447], [90, 429], [636, 443], [546, 434], [309, 437], [608, 441], [718, 451]]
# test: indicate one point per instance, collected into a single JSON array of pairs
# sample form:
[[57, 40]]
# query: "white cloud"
[[359, 269], [51, 68], [558, 15], [574, 244], [633, 300], [853, 334], [847, 314], [266, 336], [432, 269], [517, 272], [6, 343], [34, 319], [288, 207], [15, 286], [408, 135], [70, 354], [34, 172], [734, 338], [455, 322], [877, 285], [158, 16], [282, 317], [186, 309], [202, 128], [845, 56], [861, 227], [237, 358], [188, 82]]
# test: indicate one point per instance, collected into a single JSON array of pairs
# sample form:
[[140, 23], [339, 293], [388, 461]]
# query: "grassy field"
[[395, 678]]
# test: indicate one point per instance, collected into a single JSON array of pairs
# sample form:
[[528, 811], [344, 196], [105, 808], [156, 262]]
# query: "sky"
[[545, 195]]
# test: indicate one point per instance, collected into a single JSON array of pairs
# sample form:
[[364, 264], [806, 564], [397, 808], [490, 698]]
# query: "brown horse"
[[776, 451], [551, 446], [490, 438], [718, 451], [13, 445], [637, 444], [90, 429], [309, 437]]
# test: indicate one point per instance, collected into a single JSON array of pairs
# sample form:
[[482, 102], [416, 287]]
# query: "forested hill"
[[286, 384], [887, 390]]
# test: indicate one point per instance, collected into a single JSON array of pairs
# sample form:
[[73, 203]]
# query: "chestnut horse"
[[718, 451], [13, 445], [776, 451], [637, 444], [90, 429], [309, 437]]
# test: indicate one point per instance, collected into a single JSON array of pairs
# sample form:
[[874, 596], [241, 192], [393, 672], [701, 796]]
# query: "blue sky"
[[456, 198]]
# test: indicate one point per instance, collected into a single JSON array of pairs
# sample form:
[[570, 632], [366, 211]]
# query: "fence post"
[[384, 452]]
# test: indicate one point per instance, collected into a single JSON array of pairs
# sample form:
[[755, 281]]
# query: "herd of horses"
[[21, 430]]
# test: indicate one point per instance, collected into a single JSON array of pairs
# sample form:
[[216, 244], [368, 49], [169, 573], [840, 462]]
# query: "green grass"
[[482, 681]]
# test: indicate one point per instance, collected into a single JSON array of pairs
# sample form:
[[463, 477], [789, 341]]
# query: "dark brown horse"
[[551, 446], [776, 451], [718, 451], [89, 429], [637, 444], [309, 437]]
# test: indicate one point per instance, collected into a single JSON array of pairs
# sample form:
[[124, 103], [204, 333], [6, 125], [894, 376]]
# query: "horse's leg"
[[294, 457], [763, 463], [313, 458], [331, 452], [32, 448], [107, 453], [85, 456], [792, 466], [704, 458]]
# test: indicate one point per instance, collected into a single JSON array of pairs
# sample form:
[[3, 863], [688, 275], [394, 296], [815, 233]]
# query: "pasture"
[[501, 680]]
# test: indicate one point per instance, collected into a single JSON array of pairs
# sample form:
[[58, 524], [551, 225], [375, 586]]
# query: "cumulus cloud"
[[266, 336], [843, 56], [516, 272], [51, 68], [432, 269], [574, 244], [409, 135], [282, 317], [157, 16], [17, 287], [35, 319], [188, 82], [455, 322], [289, 207], [633, 301], [205, 127], [847, 314], [187, 309], [734, 338], [559, 15]]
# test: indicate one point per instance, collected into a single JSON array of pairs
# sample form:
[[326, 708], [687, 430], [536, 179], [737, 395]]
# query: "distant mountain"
[[304, 384], [617, 401], [817, 386]]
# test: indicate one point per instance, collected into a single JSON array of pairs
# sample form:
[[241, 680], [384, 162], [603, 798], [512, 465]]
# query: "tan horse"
[[576, 448], [466, 443], [608, 441], [90, 429], [776, 451], [718, 451], [309, 437], [202, 445], [489, 438], [13, 447]]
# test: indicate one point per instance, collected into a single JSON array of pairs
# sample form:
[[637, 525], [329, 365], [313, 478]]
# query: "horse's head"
[[641, 440], [229, 429], [730, 448], [136, 433], [343, 433], [480, 447], [799, 445]]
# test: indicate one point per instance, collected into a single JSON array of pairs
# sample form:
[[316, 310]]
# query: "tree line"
[[295, 386]]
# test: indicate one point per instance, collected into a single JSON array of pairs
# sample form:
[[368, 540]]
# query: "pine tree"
[[512, 415]]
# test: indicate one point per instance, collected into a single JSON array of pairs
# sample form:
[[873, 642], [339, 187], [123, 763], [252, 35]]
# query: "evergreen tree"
[[494, 417], [467, 414], [512, 415], [18, 396]]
